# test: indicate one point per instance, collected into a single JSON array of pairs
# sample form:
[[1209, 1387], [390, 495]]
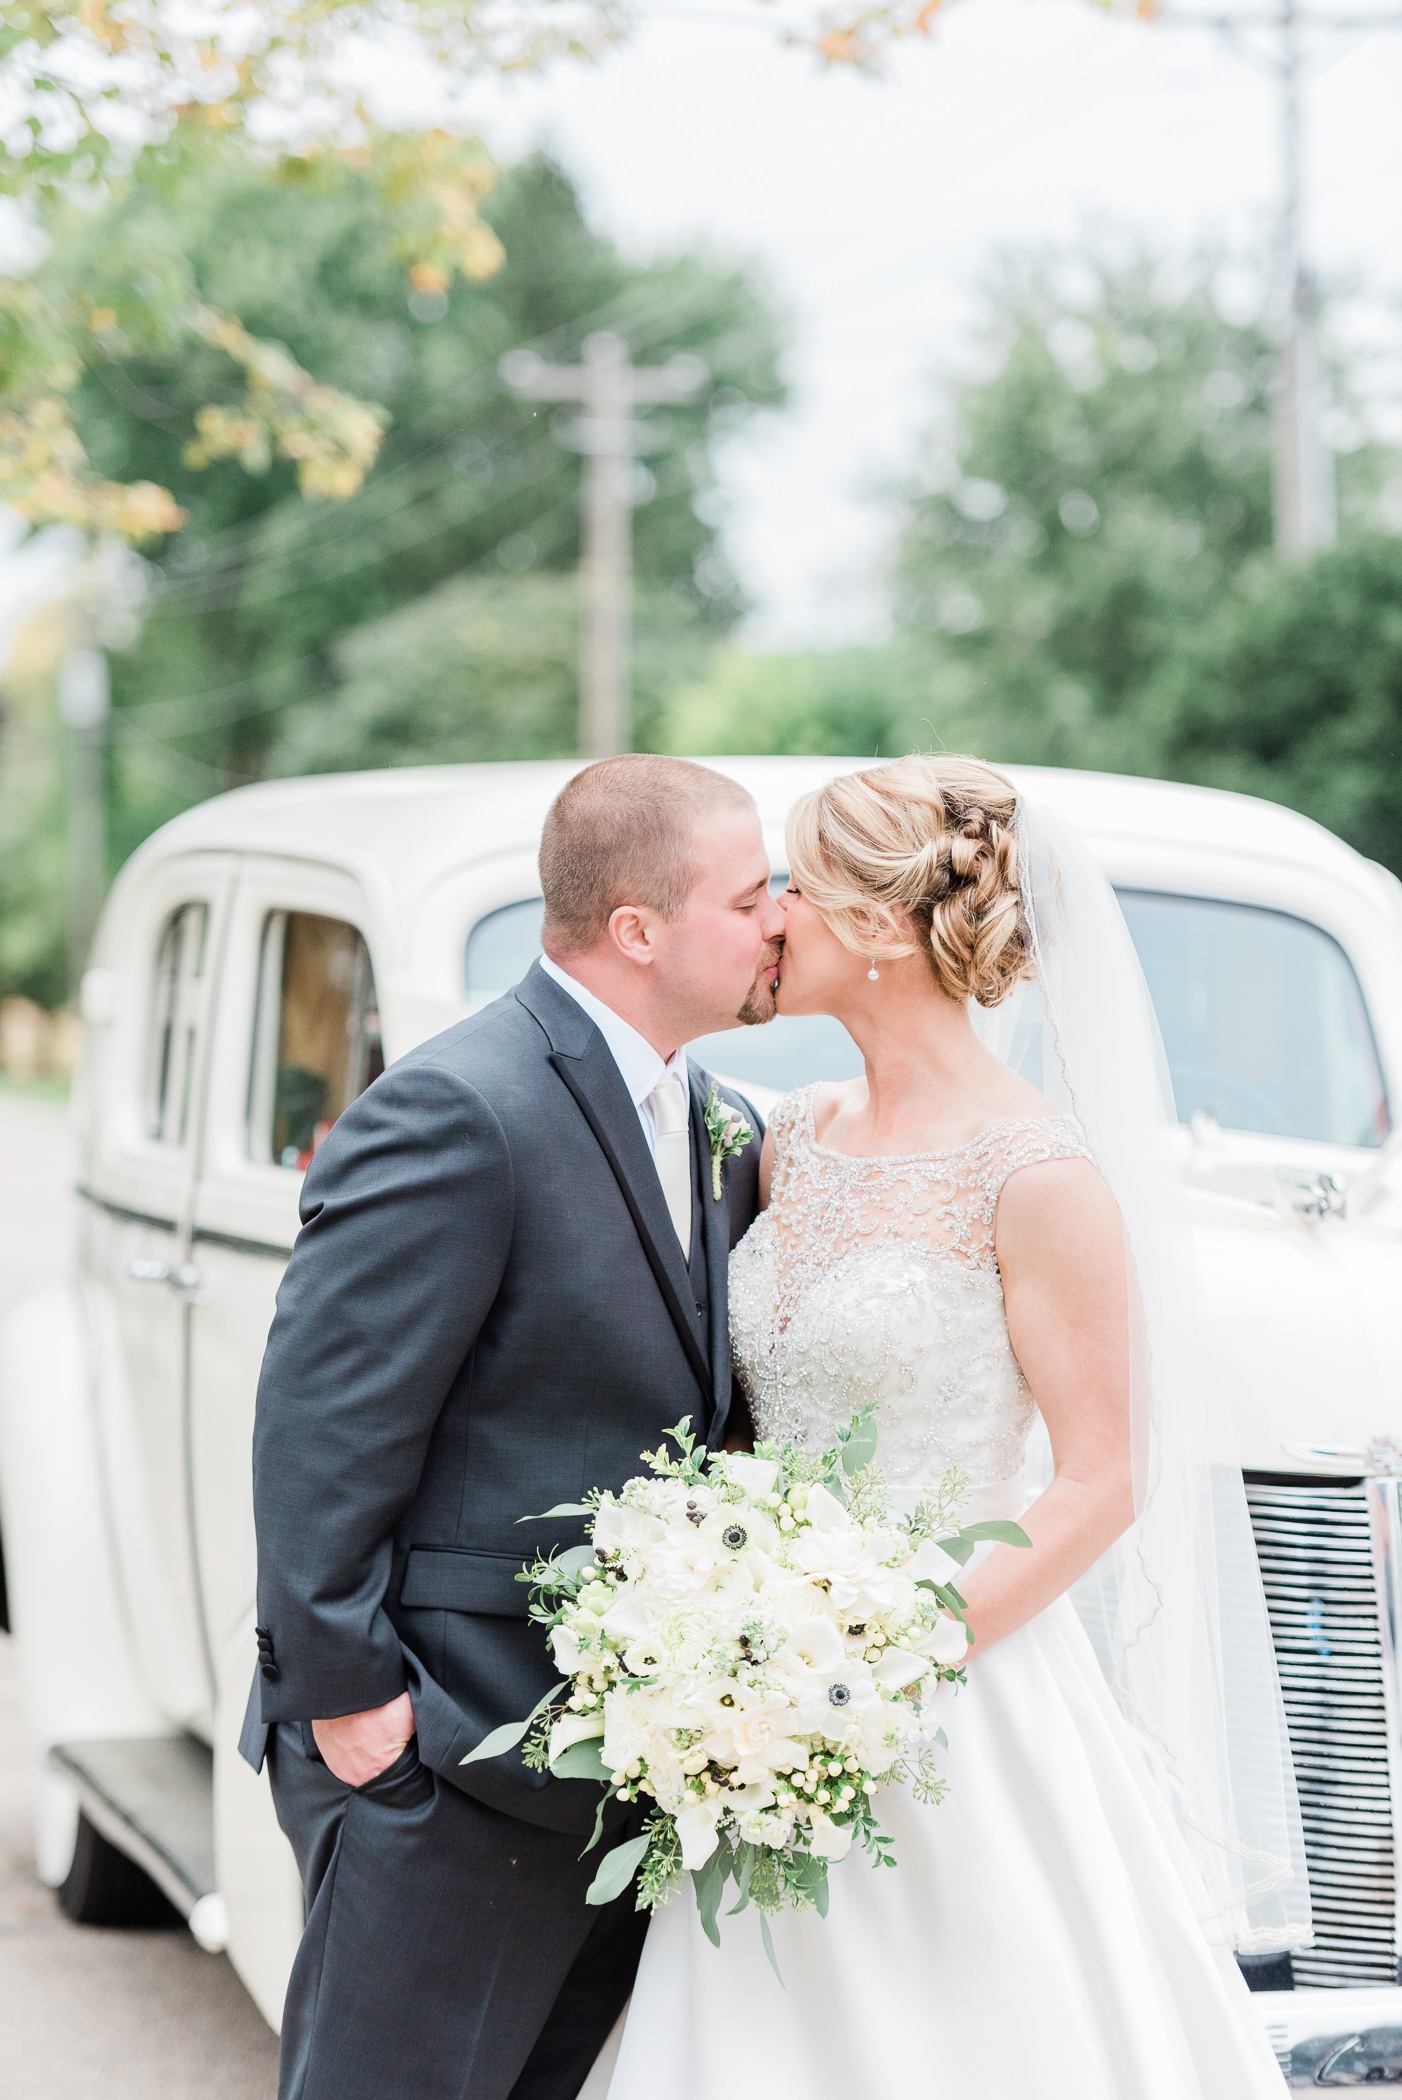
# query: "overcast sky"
[[871, 208]]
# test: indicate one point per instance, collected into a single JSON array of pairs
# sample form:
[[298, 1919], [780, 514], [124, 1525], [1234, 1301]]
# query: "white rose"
[[760, 1828], [666, 1778], [794, 1603], [619, 1528]]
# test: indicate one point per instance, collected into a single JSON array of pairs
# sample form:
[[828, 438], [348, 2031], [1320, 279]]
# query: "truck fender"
[[67, 1611]]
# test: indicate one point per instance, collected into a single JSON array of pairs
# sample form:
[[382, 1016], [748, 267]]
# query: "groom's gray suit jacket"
[[487, 1312]]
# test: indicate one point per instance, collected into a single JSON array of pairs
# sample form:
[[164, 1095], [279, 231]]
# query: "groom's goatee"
[[759, 1005]]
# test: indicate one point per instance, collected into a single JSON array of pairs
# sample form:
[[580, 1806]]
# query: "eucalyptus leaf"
[[748, 1855], [573, 1559], [598, 1825], [859, 1449], [941, 1739], [769, 1949], [582, 1761], [999, 1528], [616, 1870], [959, 1549], [561, 1509], [709, 1882], [511, 1732]]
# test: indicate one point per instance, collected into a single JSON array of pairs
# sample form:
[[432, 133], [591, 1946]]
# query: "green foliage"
[[1086, 578], [484, 668], [1087, 504], [431, 616], [255, 600], [1294, 692], [851, 702]]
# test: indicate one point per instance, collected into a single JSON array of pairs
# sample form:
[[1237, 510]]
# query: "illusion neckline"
[[899, 1159]]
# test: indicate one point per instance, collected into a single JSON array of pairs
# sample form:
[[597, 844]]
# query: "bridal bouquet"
[[746, 1642]]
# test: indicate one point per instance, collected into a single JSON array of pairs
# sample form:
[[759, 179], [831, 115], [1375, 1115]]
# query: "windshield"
[[1262, 1017]]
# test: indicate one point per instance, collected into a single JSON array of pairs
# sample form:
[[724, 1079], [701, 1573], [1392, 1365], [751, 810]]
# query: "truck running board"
[[153, 1798]]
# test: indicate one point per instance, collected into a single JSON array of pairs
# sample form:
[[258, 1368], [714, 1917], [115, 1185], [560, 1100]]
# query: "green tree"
[[279, 633], [1294, 692], [849, 702], [252, 602]]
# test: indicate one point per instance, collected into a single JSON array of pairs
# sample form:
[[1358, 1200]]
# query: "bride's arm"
[[1061, 1250]]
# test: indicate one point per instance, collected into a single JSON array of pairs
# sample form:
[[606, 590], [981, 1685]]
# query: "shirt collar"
[[640, 1065]]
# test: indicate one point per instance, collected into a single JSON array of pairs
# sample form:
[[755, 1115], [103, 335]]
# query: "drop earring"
[[873, 974]]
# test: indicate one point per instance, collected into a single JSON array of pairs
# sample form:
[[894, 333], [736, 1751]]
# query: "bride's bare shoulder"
[[836, 1097]]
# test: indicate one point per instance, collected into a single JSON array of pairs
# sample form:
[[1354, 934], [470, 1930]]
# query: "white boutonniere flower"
[[727, 1131]]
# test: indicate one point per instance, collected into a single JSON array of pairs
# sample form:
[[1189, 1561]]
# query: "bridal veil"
[[1176, 1609]]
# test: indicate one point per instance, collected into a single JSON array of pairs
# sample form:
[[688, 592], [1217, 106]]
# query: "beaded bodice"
[[876, 1280]]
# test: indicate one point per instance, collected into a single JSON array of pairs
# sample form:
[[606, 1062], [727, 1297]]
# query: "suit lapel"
[[716, 1228], [584, 1062]]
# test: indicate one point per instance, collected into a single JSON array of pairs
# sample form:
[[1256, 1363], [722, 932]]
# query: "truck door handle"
[[183, 1278]]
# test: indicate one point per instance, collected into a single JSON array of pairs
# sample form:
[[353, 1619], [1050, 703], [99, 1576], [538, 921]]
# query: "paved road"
[[88, 2014]]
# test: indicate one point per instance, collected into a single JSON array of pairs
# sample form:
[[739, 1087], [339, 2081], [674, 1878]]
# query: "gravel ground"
[[89, 2014]]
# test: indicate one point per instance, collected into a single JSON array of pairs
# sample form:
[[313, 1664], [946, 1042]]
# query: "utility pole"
[[609, 387], [1306, 518], [83, 705]]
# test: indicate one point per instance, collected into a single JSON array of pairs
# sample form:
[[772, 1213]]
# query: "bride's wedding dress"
[[1040, 1936]]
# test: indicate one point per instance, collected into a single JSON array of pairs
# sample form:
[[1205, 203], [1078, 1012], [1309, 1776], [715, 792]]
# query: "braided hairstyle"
[[925, 845]]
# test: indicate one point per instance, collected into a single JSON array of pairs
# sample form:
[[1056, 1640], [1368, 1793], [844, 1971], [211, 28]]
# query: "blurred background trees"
[[1083, 572], [431, 614]]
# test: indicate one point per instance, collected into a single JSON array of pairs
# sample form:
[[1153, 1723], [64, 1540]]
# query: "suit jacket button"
[[271, 1672]]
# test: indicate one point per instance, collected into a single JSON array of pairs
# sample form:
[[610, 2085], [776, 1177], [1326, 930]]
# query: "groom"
[[511, 1279]]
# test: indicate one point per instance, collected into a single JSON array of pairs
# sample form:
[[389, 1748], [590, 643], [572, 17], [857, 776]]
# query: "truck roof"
[[413, 825]]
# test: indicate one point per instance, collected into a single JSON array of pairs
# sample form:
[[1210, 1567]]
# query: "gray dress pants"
[[409, 1983]]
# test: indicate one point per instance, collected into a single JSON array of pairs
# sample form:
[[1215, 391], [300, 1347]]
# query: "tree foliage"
[[278, 633], [98, 94], [1294, 692]]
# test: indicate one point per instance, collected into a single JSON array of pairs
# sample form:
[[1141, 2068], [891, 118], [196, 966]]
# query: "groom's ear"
[[632, 929]]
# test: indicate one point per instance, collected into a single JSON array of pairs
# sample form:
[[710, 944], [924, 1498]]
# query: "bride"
[[992, 1261]]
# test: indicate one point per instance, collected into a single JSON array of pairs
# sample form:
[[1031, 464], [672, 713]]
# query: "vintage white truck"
[[259, 961]]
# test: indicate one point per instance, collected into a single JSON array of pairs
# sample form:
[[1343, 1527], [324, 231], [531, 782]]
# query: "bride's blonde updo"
[[928, 837]]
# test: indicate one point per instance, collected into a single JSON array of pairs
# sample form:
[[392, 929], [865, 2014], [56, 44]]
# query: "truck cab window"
[[316, 1034], [180, 962]]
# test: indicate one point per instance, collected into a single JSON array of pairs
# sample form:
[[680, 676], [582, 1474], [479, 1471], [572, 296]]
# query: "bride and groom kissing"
[[524, 1255]]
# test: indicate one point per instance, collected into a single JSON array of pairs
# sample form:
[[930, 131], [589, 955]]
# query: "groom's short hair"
[[623, 832]]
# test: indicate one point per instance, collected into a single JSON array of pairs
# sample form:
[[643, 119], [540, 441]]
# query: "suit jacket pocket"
[[454, 1578]]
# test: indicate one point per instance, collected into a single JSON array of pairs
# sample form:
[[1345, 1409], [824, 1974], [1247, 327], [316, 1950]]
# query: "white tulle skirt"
[[1038, 1940]]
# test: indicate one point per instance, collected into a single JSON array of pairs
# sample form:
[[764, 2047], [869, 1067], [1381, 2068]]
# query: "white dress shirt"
[[639, 1064]]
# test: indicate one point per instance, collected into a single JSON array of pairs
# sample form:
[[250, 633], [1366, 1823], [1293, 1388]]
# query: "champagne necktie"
[[673, 1153]]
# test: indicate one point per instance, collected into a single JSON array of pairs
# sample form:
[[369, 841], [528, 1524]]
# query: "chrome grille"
[[1315, 1549]]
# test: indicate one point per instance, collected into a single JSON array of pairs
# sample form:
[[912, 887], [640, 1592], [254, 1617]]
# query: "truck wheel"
[[104, 1887]]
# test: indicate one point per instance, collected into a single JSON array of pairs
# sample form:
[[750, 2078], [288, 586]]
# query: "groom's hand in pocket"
[[358, 1747]]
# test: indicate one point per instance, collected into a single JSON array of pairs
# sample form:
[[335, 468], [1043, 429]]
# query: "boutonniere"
[[727, 1131]]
